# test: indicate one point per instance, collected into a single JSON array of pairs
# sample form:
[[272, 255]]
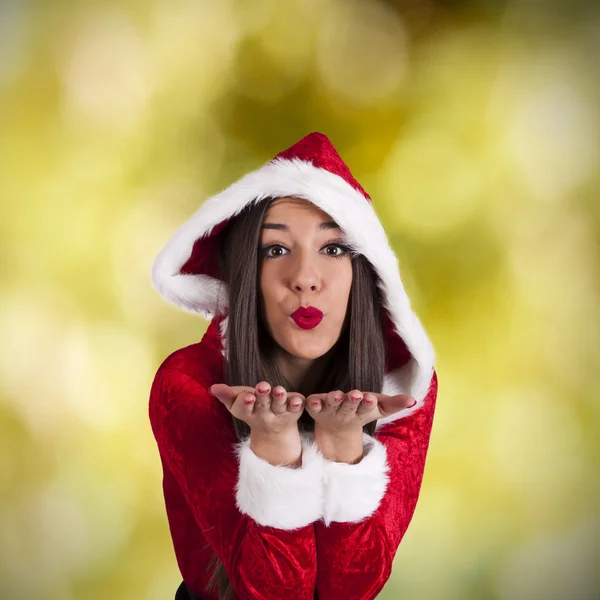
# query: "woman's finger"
[[333, 399], [223, 393], [316, 402], [244, 406], [389, 405], [351, 402], [263, 396], [279, 400], [228, 394], [295, 402], [368, 404]]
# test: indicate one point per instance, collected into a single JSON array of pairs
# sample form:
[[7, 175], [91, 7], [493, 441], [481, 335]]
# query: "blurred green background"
[[475, 126]]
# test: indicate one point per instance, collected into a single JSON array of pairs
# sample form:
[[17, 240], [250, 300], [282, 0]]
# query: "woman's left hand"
[[337, 412]]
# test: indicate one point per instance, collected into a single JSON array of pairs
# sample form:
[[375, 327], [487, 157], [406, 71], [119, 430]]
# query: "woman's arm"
[[281, 449], [257, 517], [369, 505]]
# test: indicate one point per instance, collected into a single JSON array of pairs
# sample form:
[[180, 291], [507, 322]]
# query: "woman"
[[293, 442]]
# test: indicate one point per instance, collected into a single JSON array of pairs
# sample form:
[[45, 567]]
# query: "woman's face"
[[303, 263]]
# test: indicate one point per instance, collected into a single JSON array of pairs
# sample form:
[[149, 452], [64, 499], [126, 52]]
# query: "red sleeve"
[[258, 518], [369, 506]]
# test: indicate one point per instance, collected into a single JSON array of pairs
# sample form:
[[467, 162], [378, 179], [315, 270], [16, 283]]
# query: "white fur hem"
[[276, 495], [354, 492]]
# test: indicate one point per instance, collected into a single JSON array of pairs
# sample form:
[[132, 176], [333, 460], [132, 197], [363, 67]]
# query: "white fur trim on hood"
[[363, 233]]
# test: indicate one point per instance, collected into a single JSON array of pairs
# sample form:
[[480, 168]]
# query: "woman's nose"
[[304, 274]]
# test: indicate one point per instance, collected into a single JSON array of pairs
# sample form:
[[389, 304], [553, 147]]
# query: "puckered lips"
[[307, 317]]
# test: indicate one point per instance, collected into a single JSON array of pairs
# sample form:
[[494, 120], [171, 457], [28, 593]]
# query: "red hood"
[[186, 272]]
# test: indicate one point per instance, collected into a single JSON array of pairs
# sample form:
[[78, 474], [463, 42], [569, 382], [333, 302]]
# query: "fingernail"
[[355, 398], [278, 394], [367, 401], [411, 405], [315, 403]]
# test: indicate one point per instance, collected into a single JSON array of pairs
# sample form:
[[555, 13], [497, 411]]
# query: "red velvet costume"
[[326, 530]]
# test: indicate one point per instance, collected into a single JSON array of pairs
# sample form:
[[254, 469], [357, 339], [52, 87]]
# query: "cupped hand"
[[262, 408], [338, 412]]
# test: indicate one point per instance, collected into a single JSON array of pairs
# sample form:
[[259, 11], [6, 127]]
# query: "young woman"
[[293, 436]]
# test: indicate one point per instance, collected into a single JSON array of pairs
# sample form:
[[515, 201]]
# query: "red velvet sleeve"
[[355, 555], [258, 518]]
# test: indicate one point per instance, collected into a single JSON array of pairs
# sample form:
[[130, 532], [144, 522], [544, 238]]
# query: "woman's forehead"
[[281, 205]]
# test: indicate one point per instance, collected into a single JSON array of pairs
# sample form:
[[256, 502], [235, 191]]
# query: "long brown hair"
[[356, 361]]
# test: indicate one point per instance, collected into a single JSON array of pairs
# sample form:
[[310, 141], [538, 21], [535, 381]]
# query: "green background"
[[475, 128]]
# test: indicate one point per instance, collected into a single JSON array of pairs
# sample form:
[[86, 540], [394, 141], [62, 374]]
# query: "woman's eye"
[[267, 251], [276, 250], [337, 247], [343, 250]]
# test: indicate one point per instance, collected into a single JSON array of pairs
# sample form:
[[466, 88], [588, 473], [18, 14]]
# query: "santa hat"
[[186, 271]]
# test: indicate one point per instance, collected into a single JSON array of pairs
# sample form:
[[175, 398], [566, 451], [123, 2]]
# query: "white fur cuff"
[[354, 492], [280, 496]]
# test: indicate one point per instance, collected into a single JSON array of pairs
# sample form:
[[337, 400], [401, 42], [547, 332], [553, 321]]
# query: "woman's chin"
[[304, 355], [308, 353], [304, 347]]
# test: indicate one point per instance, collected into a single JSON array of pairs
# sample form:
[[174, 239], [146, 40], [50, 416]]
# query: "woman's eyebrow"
[[282, 227]]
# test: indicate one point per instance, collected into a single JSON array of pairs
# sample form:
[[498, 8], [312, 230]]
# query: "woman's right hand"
[[261, 407]]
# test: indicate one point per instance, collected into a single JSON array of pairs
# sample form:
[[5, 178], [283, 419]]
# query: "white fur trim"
[[224, 337], [363, 233], [354, 492], [280, 496]]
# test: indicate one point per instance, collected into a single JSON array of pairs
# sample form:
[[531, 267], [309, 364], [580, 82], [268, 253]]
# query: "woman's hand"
[[336, 412], [264, 410]]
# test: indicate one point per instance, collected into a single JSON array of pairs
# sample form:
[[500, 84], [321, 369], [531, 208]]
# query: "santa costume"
[[325, 530]]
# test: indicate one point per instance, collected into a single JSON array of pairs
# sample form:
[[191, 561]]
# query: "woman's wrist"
[[280, 449], [343, 447]]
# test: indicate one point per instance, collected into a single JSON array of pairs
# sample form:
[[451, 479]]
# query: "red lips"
[[307, 317]]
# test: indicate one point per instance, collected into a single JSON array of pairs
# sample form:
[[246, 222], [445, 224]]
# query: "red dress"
[[326, 527], [328, 530]]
